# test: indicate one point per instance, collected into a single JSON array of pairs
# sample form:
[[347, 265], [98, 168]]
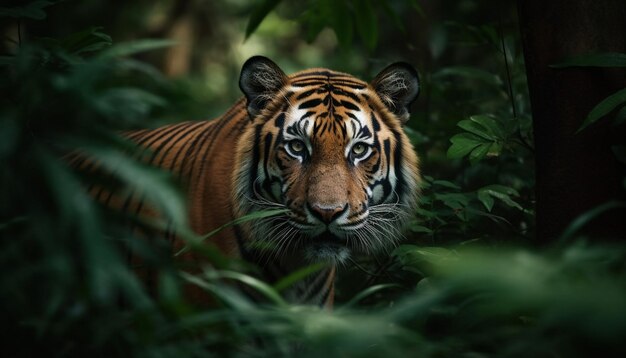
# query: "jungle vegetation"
[[517, 248]]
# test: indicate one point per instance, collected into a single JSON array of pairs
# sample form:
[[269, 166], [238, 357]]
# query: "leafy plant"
[[343, 17], [486, 136]]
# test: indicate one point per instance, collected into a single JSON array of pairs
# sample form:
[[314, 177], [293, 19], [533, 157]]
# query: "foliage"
[[342, 16], [463, 284], [613, 102]]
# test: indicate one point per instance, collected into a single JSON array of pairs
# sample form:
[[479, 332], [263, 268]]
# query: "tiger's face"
[[329, 149]]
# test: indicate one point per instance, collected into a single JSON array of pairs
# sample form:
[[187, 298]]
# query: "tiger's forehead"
[[323, 76], [324, 101]]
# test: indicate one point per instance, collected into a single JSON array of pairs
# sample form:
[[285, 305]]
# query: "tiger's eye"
[[359, 149], [296, 146]]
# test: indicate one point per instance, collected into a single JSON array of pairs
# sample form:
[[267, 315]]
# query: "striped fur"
[[326, 146]]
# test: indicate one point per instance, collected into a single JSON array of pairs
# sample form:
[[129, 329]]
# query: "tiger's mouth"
[[329, 238]]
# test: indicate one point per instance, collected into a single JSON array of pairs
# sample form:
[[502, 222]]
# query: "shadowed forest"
[[517, 247]]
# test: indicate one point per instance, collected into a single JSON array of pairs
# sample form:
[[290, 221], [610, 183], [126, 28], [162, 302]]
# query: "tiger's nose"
[[327, 213]]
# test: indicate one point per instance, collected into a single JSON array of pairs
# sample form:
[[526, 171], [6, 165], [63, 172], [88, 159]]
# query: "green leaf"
[[88, 40], [268, 291], [249, 217], [232, 299], [446, 184], [476, 128], [588, 216], [609, 59], [155, 184], [368, 292], [456, 201], [605, 107], [420, 229], [485, 134], [132, 47], [409, 255], [259, 13], [494, 149], [500, 192], [430, 215], [463, 144], [486, 199], [479, 153], [127, 103], [33, 10], [366, 23], [298, 275], [491, 125]]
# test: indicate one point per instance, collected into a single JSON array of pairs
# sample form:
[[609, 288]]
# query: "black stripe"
[[310, 103], [375, 123], [280, 120], [350, 105], [308, 83], [203, 138], [255, 157], [154, 135], [322, 73], [307, 115], [385, 182], [305, 94], [350, 84], [400, 185], [198, 137], [348, 94], [267, 183], [214, 130], [376, 165], [172, 140], [232, 114]]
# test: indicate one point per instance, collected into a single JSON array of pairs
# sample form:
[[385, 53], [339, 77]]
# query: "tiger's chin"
[[326, 248]]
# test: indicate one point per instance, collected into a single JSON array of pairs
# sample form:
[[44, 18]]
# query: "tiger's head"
[[330, 149]]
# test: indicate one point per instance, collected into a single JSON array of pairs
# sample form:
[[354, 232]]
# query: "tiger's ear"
[[260, 80], [397, 86]]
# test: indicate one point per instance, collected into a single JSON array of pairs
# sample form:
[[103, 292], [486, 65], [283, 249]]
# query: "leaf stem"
[[19, 32], [506, 66]]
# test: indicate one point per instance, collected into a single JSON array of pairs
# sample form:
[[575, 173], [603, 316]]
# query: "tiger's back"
[[200, 155]]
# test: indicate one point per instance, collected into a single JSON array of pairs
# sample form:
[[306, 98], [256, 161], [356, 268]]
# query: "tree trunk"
[[574, 172]]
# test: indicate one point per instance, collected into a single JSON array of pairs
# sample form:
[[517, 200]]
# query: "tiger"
[[325, 147]]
